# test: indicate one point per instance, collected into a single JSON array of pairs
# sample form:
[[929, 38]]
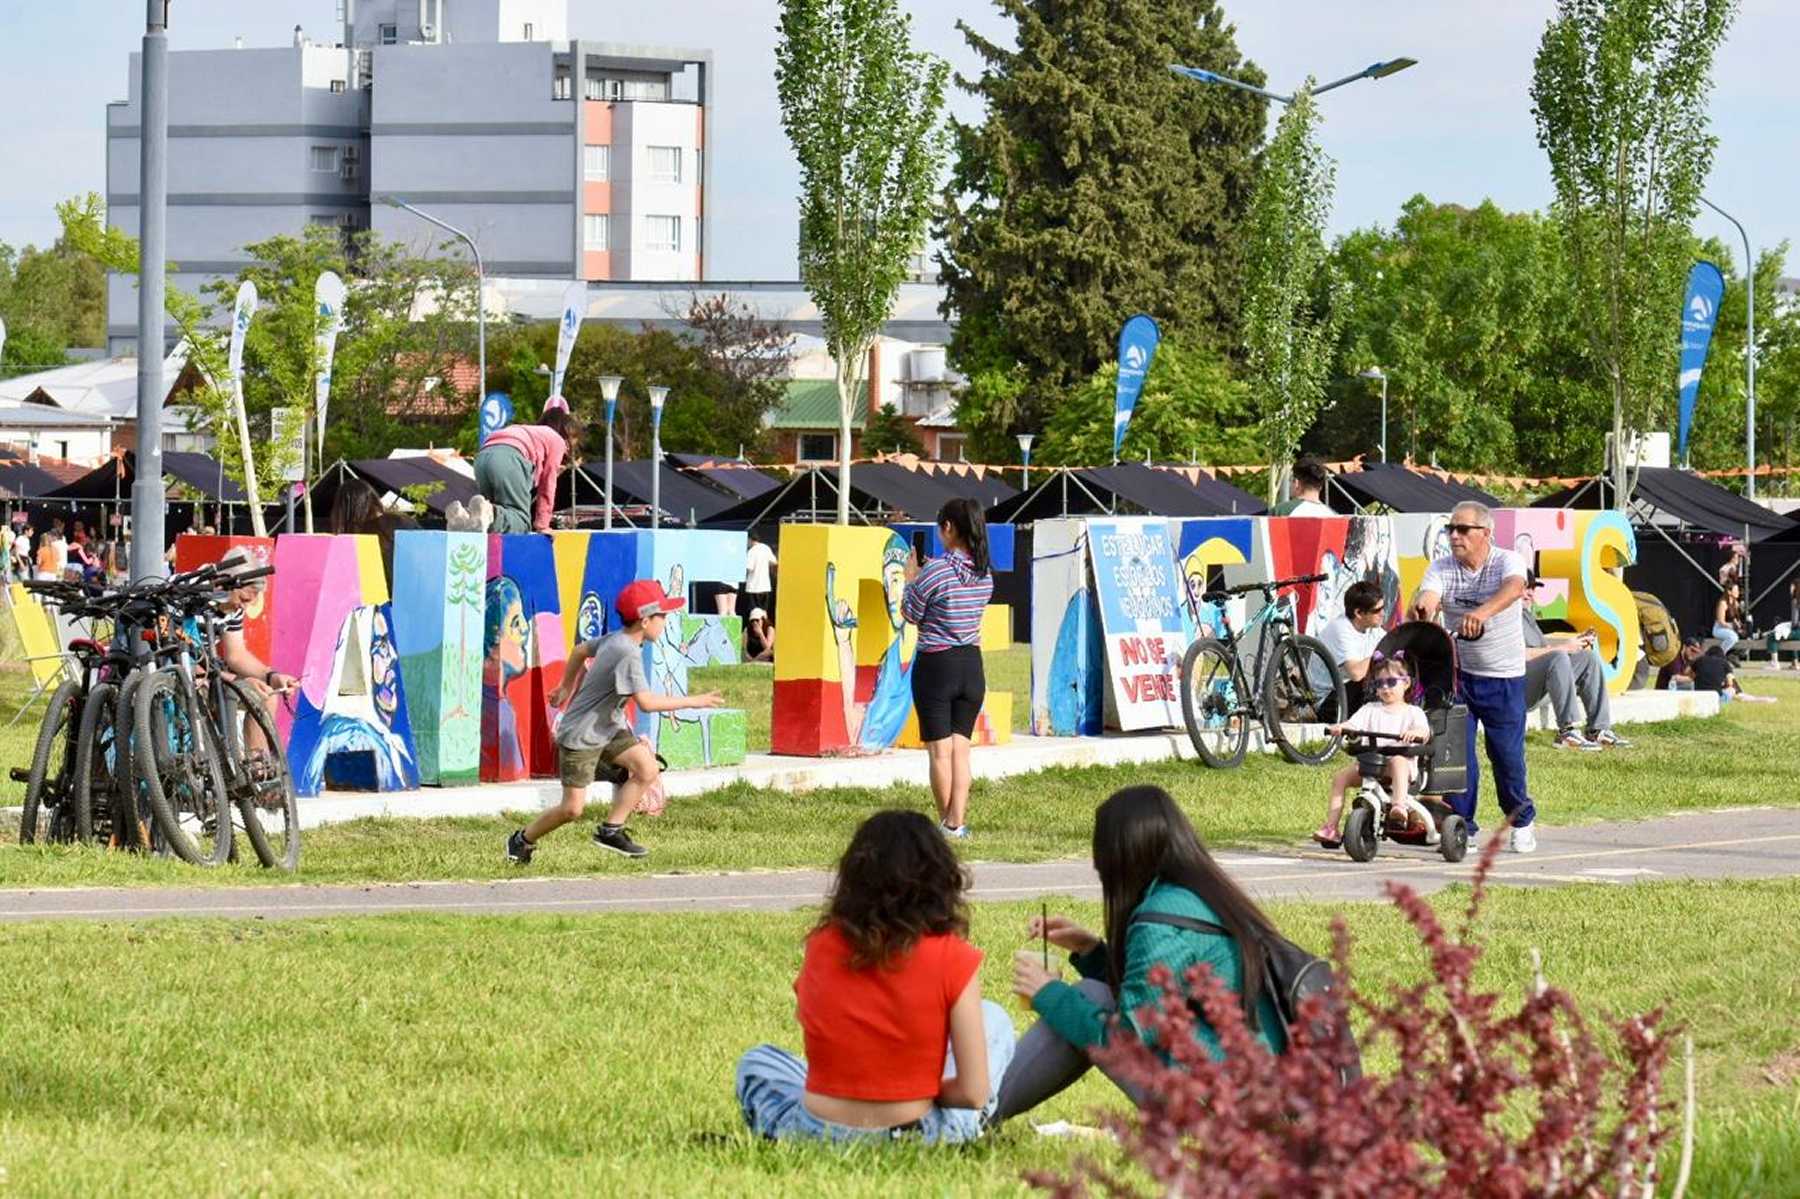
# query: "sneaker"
[[619, 841], [959, 833], [1607, 738], [481, 514], [1571, 739], [518, 849], [1524, 840], [456, 518]]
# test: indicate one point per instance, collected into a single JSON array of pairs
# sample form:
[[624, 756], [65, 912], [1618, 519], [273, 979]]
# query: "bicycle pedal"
[[20, 774]]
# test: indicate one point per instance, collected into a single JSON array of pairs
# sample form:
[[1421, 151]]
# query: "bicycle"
[[1292, 687]]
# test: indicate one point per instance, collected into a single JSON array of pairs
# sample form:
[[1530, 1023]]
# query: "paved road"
[[1732, 843]]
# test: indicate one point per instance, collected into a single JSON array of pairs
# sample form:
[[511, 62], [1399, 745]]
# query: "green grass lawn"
[[594, 1054], [1750, 755]]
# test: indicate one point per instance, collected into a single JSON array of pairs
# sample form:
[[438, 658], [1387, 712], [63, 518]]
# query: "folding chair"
[[41, 635]]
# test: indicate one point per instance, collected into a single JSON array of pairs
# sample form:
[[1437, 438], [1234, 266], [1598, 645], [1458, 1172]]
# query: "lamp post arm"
[[1749, 350], [1205, 76], [480, 291]]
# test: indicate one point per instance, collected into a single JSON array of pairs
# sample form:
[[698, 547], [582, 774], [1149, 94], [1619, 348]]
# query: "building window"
[[596, 163], [528, 31], [647, 89], [593, 88], [559, 90], [950, 447], [324, 158], [818, 447], [665, 164], [596, 233], [390, 35], [662, 233], [337, 87]]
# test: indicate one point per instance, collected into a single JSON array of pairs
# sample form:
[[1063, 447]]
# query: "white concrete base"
[[905, 766]]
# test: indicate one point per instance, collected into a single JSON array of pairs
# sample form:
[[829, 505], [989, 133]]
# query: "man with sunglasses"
[[1477, 589]]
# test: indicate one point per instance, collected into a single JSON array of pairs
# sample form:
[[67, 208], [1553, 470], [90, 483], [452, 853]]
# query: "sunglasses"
[[1465, 530], [1384, 684]]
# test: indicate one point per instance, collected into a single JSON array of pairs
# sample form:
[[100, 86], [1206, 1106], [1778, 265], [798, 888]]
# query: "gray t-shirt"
[[597, 712], [1499, 653]]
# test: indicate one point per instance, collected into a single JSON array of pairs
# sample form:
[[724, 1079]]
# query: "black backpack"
[[1292, 974]]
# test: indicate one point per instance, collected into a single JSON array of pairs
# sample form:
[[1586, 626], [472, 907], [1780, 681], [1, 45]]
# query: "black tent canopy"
[[1402, 490], [683, 499], [112, 479], [733, 475], [1686, 497], [1089, 490], [880, 493], [397, 474]]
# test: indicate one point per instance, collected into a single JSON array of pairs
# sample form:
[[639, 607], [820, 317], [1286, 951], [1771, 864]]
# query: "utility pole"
[[147, 495]]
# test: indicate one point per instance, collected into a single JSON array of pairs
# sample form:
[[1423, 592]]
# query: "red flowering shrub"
[[1485, 1103]]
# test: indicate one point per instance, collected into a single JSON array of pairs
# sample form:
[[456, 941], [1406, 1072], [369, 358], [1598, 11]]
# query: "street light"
[[657, 396], [1749, 352], [1375, 70], [1375, 372], [1025, 440], [480, 289], [609, 391]]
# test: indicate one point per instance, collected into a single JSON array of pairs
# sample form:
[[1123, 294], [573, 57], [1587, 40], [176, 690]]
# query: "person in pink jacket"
[[516, 474]]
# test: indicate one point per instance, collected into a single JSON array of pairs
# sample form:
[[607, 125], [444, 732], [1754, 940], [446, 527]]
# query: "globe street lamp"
[[1375, 372], [1375, 70], [609, 391], [1025, 440], [657, 396]]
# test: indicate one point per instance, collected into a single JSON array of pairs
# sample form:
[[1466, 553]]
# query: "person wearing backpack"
[[1159, 885]]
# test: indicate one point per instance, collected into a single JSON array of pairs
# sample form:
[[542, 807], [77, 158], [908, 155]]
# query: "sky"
[[1456, 128]]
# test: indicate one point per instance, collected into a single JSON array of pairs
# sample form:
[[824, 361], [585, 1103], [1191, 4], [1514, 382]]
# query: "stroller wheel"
[[1454, 838], [1359, 833]]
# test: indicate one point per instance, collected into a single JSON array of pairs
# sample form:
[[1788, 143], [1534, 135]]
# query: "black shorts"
[[948, 686]]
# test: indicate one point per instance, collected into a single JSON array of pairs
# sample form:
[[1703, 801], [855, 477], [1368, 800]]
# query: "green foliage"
[[51, 299], [1096, 185], [1717, 440], [1291, 313], [1191, 410], [888, 433], [1619, 92], [29, 350], [861, 109]]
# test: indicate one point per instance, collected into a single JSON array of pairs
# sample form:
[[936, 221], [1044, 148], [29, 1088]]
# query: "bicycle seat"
[[86, 645]]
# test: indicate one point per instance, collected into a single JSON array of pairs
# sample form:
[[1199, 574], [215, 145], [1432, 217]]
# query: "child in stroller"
[[1392, 717]]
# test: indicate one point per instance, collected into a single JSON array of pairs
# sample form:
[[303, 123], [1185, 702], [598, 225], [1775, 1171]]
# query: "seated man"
[[1569, 671], [1678, 675], [1712, 672], [1352, 637]]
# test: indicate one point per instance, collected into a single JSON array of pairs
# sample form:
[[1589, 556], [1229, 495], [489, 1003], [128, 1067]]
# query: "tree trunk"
[[846, 384], [1618, 455]]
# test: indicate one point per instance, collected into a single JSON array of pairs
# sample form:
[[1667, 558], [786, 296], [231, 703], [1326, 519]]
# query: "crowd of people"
[[63, 552]]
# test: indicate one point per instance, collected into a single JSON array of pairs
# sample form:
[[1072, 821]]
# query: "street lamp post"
[[1025, 440], [609, 391], [1749, 352], [1375, 70], [657, 396], [147, 494], [1375, 372], [480, 290]]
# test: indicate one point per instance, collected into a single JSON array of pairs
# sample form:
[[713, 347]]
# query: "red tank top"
[[879, 1035]]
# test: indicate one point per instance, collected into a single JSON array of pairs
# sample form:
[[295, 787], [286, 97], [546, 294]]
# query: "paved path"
[[1732, 843]]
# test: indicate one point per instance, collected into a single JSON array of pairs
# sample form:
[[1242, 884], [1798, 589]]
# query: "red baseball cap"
[[645, 597]]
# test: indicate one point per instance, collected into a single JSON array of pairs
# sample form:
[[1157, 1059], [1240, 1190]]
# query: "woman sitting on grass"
[[1151, 865], [888, 981]]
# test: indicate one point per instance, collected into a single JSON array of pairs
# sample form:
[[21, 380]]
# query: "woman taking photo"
[[945, 598], [888, 982], [1150, 861]]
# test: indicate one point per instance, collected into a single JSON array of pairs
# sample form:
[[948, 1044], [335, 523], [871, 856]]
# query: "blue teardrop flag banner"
[[496, 413], [1699, 311], [1137, 347]]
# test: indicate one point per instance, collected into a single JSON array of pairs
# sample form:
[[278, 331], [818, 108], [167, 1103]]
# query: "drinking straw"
[[1044, 929]]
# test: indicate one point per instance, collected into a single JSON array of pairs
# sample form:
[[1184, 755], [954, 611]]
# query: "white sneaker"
[[959, 833], [1524, 840], [481, 514], [456, 517]]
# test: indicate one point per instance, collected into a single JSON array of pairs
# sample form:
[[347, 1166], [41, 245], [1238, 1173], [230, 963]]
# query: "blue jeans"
[[1727, 637], [1498, 706], [771, 1081]]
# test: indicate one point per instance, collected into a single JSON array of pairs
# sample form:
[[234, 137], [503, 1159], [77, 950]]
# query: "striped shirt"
[[946, 600]]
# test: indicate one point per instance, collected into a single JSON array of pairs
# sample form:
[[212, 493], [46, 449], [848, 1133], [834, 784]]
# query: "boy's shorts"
[[579, 766]]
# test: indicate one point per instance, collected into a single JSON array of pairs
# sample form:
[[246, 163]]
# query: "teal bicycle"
[[1266, 673]]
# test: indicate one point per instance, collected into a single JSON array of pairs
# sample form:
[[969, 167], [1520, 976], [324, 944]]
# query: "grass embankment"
[[594, 1054]]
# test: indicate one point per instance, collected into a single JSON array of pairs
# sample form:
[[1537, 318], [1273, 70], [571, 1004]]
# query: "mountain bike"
[[1286, 682]]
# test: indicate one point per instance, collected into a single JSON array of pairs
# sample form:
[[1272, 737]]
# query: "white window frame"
[[330, 159], [528, 31], [801, 455], [662, 174], [561, 86], [388, 35], [669, 245], [593, 87], [596, 163], [591, 223]]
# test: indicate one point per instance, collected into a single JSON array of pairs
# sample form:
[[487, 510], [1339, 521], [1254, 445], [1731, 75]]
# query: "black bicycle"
[[1289, 684]]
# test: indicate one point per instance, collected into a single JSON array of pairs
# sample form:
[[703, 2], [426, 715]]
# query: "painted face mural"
[[384, 675], [590, 618], [508, 643]]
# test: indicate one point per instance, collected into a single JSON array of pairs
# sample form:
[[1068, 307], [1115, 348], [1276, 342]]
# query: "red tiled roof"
[[447, 398]]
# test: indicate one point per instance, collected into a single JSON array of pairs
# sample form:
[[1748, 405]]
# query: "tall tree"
[[1097, 184], [749, 355], [1291, 310], [861, 109], [54, 296], [1619, 91], [1191, 410]]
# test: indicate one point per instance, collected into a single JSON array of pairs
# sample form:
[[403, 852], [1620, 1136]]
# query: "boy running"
[[594, 730]]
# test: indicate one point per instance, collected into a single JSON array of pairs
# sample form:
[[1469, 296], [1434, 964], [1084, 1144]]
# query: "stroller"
[[1422, 817]]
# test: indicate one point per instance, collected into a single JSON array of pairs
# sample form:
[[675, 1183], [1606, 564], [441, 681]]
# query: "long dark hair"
[[1140, 835], [897, 882], [357, 508], [568, 426], [965, 516]]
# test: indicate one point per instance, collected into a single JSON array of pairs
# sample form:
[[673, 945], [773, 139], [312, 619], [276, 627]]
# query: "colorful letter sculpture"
[[1531, 533], [193, 551], [524, 653], [1598, 596], [1144, 617], [843, 673], [1067, 654], [335, 633], [440, 586]]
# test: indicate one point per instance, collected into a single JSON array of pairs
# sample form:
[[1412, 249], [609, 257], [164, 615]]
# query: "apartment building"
[[562, 158]]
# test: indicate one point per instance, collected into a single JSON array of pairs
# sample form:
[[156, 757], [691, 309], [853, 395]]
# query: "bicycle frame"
[[1278, 612]]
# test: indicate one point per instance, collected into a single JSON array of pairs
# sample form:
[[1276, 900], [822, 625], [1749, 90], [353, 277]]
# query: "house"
[[911, 376], [85, 411]]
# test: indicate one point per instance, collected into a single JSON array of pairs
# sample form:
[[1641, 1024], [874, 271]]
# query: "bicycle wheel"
[[96, 752], [130, 808], [1301, 694], [178, 765], [1218, 722], [45, 785], [261, 784]]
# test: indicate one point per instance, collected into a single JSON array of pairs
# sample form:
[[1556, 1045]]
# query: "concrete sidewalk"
[[1742, 843]]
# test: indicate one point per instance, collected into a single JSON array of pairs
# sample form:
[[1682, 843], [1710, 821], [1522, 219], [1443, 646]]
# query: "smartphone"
[[920, 550]]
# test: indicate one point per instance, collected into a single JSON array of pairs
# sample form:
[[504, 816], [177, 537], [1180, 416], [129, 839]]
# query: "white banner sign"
[[574, 312], [328, 301], [241, 314], [1144, 617]]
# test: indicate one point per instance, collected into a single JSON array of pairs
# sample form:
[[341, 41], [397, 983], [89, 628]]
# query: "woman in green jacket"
[[1149, 859]]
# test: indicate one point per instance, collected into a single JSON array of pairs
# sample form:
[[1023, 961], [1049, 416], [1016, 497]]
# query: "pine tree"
[[888, 433], [1099, 185]]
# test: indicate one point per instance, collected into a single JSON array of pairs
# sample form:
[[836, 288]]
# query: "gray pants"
[[504, 477], [1044, 1064], [1576, 685]]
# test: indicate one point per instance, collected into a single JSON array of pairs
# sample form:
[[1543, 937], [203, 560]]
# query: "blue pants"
[[771, 1081], [1498, 706], [1728, 637]]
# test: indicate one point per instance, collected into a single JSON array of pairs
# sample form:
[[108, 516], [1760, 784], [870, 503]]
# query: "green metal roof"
[[812, 404]]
